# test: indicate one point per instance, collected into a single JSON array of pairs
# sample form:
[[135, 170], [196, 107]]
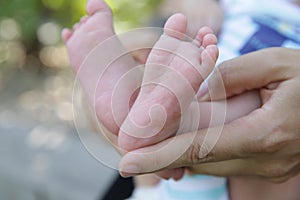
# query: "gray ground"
[[42, 157]]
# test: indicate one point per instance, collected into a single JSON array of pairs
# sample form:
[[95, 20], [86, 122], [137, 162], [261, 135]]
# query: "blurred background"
[[41, 155]]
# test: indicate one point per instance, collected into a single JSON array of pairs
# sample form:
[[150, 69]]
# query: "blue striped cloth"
[[256, 24]]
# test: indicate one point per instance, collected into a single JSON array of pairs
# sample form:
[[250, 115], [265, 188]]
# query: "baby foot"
[[174, 71], [89, 32], [100, 62]]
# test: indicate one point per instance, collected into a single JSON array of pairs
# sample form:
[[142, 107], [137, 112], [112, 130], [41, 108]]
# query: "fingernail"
[[203, 91], [129, 170]]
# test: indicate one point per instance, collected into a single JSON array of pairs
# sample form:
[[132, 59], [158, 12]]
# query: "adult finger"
[[250, 71], [207, 145]]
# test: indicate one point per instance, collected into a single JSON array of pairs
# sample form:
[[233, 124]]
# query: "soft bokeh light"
[[9, 29], [49, 33], [64, 111], [54, 56], [41, 136], [12, 53], [28, 101], [16, 56], [39, 146], [53, 102]]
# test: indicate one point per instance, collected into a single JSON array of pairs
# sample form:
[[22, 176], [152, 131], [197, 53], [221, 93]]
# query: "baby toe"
[[176, 26], [94, 6], [198, 41], [66, 34]]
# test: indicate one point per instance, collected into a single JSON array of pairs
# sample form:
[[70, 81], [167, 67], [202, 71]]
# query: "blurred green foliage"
[[129, 13], [30, 14]]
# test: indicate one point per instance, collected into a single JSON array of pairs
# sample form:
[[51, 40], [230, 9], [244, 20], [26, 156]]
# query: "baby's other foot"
[[99, 61], [174, 71], [89, 32]]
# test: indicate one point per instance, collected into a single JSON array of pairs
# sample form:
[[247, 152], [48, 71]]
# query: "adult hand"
[[265, 143]]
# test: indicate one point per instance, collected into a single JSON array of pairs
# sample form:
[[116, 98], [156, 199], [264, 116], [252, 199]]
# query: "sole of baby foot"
[[174, 71]]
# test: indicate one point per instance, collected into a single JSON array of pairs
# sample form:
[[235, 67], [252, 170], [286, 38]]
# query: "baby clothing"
[[257, 24], [195, 187]]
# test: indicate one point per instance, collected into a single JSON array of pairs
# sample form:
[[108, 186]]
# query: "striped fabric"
[[256, 24]]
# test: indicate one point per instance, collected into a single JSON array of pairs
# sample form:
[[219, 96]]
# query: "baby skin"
[[175, 69], [173, 73], [99, 61]]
